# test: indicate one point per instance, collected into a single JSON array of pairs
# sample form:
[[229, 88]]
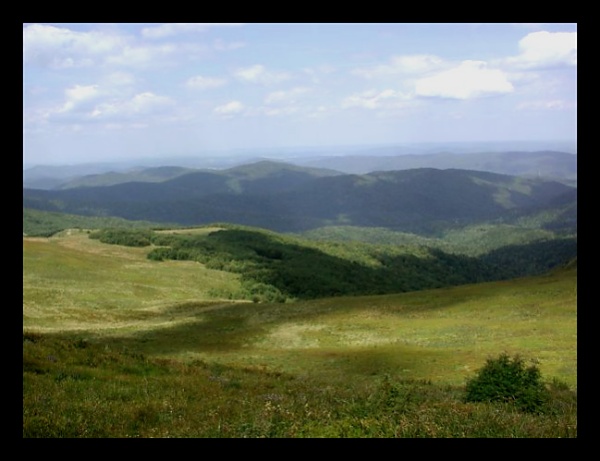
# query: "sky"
[[109, 91]]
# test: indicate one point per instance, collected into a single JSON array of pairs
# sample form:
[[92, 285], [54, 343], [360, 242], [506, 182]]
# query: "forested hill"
[[288, 198]]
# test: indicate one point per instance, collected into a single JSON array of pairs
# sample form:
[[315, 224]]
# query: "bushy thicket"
[[509, 380], [127, 237]]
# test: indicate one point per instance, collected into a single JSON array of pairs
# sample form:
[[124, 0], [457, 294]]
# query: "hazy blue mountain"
[[66, 177], [348, 159], [154, 174], [50, 176], [548, 164], [284, 197]]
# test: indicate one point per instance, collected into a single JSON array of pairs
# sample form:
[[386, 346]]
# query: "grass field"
[[114, 298], [71, 282]]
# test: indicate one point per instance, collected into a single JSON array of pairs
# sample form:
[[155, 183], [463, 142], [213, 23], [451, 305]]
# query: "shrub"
[[506, 379], [127, 237]]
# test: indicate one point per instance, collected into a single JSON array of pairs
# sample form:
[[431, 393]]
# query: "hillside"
[[286, 198], [117, 345], [68, 277], [277, 267]]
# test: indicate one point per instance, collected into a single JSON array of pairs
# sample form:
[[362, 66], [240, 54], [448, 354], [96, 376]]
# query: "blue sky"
[[100, 92]]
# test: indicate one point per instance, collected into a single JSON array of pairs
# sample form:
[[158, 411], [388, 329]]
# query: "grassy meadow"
[[117, 345]]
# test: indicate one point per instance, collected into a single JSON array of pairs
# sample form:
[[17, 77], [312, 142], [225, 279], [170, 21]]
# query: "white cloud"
[[167, 30], [546, 49], [285, 97], [57, 47], [373, 99], [142, 56], [146, 103], [258, 74], [398, 65], [200, 82], [78, 95], [81, 92], [231, 108], [109, 100], [471, 79]]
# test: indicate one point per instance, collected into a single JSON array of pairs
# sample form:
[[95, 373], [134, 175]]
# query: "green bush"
[[506, 379], [127, 237]]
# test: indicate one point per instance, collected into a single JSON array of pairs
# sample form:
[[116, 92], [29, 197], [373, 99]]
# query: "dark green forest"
[[278, 268]]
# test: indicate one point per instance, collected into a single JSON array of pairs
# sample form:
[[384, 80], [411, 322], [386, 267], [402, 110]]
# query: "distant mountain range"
[[285, 197], [547, 164], [558, 165]]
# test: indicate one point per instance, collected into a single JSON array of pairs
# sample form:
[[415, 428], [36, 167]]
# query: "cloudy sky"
[[94, 92]]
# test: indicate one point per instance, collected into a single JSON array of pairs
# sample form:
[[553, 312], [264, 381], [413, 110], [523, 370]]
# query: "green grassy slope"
[[176, 308], [116, 345], [73, 282]]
